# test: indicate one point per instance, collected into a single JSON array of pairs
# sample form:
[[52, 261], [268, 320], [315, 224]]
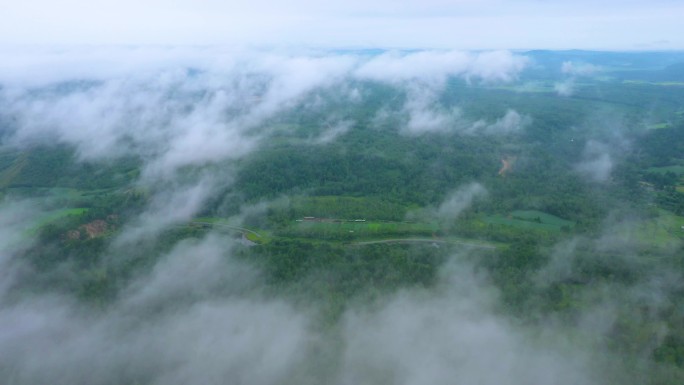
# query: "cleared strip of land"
[[425, 240]]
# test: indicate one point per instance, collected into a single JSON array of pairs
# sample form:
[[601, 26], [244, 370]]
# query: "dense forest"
[[566, 203]]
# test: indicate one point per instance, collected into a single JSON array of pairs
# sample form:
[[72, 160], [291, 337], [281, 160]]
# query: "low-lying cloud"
[[185, 107], [580, 69], [202, 315], [459, 200], [434, 67], [574, 71], [597, 164], [453, 336]]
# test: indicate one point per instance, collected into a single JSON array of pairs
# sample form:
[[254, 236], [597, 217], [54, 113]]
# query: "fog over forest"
[[502, 217]]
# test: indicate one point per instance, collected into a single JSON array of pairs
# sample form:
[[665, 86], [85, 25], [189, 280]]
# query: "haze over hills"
[[217, 215]]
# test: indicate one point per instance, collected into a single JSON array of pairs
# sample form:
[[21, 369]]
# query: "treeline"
[[57, 166]]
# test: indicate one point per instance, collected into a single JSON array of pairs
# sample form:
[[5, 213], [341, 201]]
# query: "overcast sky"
[[460, 24]]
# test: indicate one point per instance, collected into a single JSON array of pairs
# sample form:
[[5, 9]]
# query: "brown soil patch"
[[95, 228], [506, 165]]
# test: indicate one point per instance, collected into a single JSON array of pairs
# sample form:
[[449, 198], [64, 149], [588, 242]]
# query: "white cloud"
[[434, 67], [598, 167], [502, 66], [179, 107], [187, 109], [333, 131], [174, 202], [17, 219], [597, 163], [459, 200], [170, 115], [510, 123], [199, 317], [454, 203], [452, 336], [423, 76], [580, 69], [565, 88], [574, 70]]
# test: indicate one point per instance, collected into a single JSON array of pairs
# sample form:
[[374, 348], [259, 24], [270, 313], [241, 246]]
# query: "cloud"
[[192, 271], [185, 107], [191, 319], [434, 67], [200, 317], [510, 123], [173, 204], [497, 66], [580, 69], [429, 66], [424, 113], [604, 277], [455, 202], [35, 66], [459, 200], [597, 163], [191, 112], [424, 118], [423, 76], [565, 88], [333, 131], [187, 114], [16, 221], [452, 336], [574, 70]]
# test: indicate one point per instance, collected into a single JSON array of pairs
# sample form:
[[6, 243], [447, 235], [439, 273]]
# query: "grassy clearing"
[[664, 231], [677, 169], [531, 219], [210, 220], [8, 174], [53, 216], [663, 84], [359, 230], [347, 207], [657, 126], [59, 214], [60, 196]]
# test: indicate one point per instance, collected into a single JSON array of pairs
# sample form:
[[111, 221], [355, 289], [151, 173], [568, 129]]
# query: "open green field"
[[531, 219], [657, 126], [347, 207], [65, 195], [52, 216], [358, 230], [677, 169], [664, 84], [664, 231], [14, 164]]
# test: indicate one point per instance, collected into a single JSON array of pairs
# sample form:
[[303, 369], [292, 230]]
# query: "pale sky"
[[455, 24]]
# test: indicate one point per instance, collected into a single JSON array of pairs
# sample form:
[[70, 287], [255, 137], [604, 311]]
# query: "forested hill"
[[542, 197]]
